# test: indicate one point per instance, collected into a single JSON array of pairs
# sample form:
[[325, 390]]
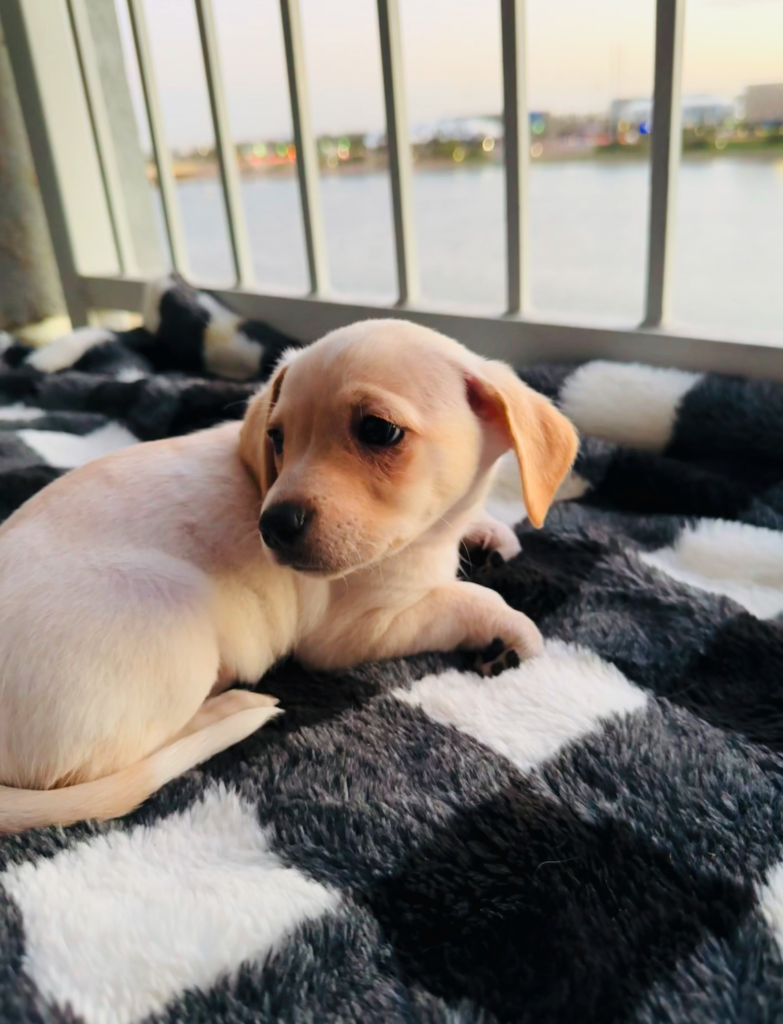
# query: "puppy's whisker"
[[379, 567], [233, 405], [249, 533]]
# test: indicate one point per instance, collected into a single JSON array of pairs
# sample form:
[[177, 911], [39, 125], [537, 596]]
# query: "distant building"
[[707, 111], [764, 104], [459, 129], [625, 115], [635, 115]]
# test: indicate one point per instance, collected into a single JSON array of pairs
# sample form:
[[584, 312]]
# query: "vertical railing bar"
[[306, 153], [104, 145], [160, 149], [19, 50], [398, 142], [665, 151], [516, 145], [227, 157]]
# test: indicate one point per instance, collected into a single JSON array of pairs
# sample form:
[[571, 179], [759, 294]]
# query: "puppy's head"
[[383, 431]]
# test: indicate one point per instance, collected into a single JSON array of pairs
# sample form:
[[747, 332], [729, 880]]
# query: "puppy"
[[135, 590]]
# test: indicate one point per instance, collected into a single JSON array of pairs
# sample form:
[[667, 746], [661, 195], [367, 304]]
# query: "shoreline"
[[185, 171]]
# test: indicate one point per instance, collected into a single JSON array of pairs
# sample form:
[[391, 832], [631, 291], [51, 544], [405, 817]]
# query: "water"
[[588, 223]]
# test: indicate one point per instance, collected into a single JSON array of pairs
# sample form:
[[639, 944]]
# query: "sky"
[[581, 55]]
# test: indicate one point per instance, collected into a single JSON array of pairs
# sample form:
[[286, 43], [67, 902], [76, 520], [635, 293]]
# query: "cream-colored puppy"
[[135, 589]]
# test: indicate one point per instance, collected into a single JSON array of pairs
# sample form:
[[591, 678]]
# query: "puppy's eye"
[[379, 433], [276, 437]]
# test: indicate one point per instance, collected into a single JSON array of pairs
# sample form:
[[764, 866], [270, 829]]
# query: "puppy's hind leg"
[[118, 794]]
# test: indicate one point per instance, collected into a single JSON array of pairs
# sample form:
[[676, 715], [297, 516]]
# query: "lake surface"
[[587, 238]]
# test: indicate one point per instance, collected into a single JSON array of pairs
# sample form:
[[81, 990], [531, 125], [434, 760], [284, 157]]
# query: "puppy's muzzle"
[[284, 526]]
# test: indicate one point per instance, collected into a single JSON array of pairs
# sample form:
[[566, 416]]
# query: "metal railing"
[[54, 63], [160, 149]]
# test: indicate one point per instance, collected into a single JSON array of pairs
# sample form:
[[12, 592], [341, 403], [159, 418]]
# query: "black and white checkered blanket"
[[595, 836]]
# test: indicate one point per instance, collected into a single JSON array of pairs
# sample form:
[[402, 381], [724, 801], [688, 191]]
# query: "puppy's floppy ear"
[[545, 442], [255, 448]]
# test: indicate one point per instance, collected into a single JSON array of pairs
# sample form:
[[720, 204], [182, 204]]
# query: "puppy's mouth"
[[301, 562], [308, 566]]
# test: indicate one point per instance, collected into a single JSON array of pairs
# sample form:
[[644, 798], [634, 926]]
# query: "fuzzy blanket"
[[595, 836]]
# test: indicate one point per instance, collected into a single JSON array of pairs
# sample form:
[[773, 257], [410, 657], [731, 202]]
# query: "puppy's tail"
[[117, 794]]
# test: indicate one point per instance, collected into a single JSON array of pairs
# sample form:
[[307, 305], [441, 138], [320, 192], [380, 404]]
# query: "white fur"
[[153, 293], [505, 502], [770, 896], [119, 925], [626, 402], [744, 563], [66, 451], [508, 512], [130, 374], [529, 713], [226, 351], [573, 488], [17, 411], [60, 354], [230, 353], [217, 311]]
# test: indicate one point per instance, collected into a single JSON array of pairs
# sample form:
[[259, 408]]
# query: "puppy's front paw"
[[495, 658], [488, 544], [491, 536], [499, 655]]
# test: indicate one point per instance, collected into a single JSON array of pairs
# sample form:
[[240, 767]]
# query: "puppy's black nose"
[[283, 525]]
